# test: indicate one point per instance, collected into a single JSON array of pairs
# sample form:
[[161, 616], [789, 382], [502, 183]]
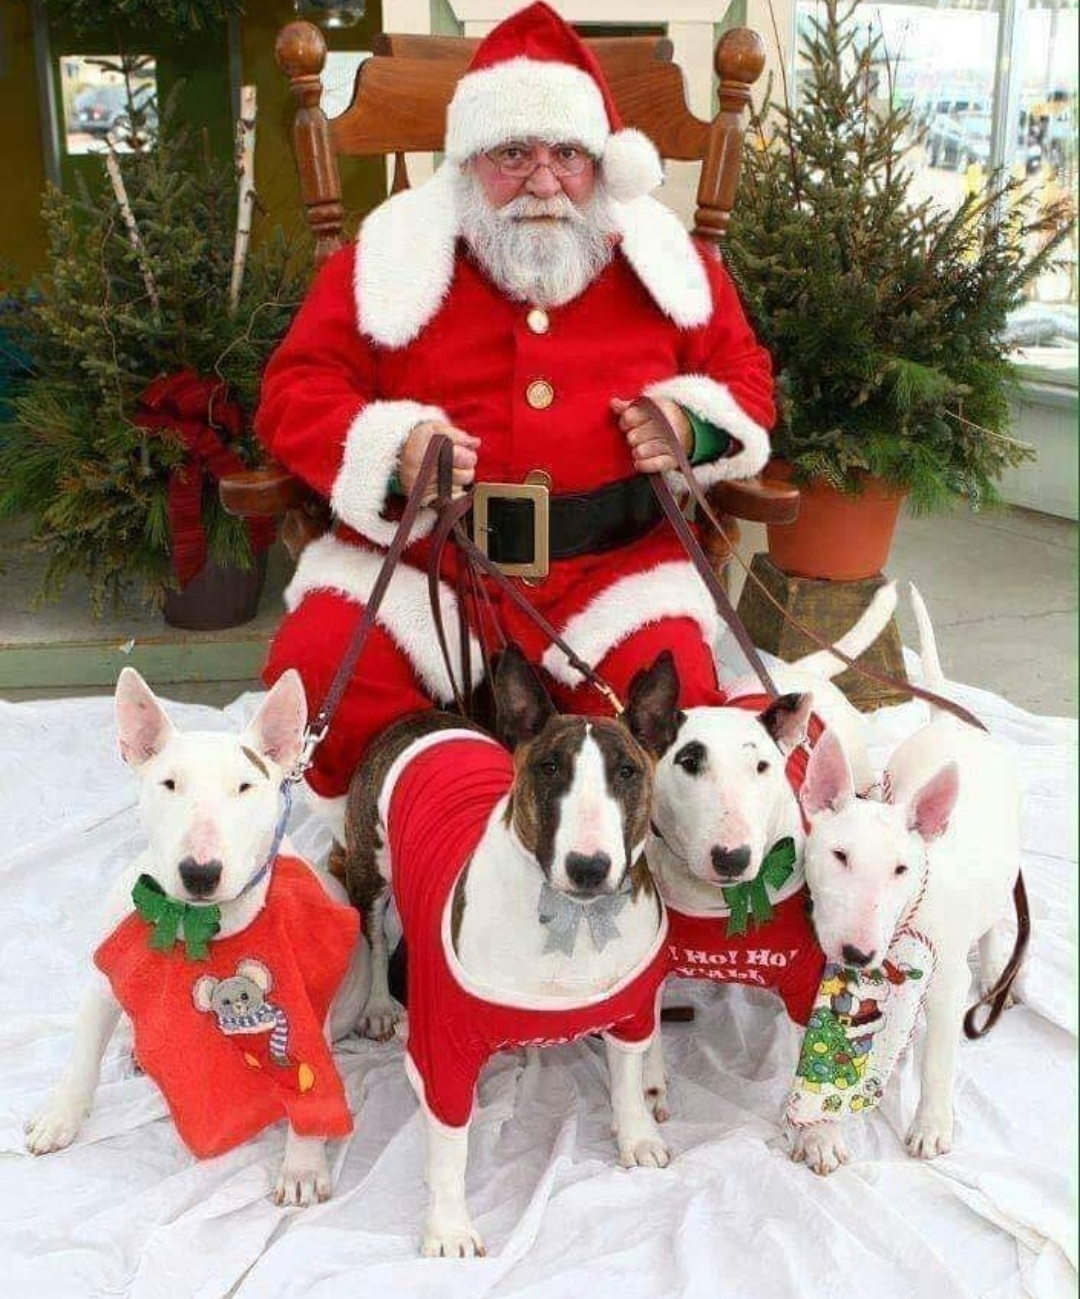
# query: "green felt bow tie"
[[752, 898], [165, 916]]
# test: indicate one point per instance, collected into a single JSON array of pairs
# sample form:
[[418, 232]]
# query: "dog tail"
[[933, 677], [857, 639]]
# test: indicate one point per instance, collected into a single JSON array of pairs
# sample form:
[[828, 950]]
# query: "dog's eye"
[[900, 870], [244, 787], [548, 766], [626, 771], [840, 856], [169, 784], [762, 767], [691, 758]]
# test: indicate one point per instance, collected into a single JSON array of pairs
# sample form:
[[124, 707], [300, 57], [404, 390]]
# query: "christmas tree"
[[148, 280], [884, 316]]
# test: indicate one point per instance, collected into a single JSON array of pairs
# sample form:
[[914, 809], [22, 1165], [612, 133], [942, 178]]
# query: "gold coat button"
[[537, 320], [539, 394]]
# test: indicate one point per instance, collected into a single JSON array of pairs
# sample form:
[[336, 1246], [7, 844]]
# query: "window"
[[993, 83], [110, 101]]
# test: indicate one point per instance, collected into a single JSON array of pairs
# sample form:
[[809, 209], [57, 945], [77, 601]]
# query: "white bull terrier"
[[211, 806], [941, 855]]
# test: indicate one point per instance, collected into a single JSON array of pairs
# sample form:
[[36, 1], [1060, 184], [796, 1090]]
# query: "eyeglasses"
[[519, 159]]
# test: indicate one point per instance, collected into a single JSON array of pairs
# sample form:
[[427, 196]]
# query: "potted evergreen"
[[148, 334], [884, 316]]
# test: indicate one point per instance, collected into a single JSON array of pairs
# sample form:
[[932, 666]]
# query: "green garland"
[[183, 15], [884, 317], [72, 458]]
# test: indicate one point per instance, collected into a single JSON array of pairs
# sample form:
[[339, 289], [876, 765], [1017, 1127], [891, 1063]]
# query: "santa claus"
[[519, 302]]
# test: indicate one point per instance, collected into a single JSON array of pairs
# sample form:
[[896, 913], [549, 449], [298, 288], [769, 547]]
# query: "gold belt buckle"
[[535, 488]]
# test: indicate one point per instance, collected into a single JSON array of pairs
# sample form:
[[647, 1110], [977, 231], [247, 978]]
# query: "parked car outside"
[[106, 110]]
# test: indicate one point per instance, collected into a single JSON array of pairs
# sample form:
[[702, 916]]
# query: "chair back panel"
[[401, 93]]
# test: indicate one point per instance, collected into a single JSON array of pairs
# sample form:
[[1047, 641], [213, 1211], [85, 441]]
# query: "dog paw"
[[930, 1135], [821, 1148], [642, 1149], [379, 1019], [451, 1239], [303, 1180], [57, 1124]]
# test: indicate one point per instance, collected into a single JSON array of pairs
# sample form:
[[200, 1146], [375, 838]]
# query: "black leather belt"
[[520, 526]]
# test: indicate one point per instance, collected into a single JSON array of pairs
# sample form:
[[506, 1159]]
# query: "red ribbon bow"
[[195, 408]]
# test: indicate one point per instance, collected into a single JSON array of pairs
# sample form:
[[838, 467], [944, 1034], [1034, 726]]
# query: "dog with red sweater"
[[527, 909]]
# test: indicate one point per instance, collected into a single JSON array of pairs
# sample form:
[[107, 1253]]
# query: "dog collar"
[[275, 845]]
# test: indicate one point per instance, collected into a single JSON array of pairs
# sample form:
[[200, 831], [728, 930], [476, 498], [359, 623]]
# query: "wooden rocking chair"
[[399, 107]]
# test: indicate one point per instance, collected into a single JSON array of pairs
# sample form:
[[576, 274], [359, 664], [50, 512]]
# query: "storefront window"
[[960, 63]]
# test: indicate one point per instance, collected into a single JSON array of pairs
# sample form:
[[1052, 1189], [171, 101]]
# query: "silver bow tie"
[[562, 915]]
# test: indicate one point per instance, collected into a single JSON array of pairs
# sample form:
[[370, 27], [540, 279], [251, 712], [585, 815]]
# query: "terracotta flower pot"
[[217, 597], [837, 537]]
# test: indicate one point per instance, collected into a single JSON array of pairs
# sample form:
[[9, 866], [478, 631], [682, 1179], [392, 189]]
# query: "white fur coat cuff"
[[372, 450], [714, 402]]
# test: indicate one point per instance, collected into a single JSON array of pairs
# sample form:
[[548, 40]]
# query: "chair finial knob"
[[300, 50]]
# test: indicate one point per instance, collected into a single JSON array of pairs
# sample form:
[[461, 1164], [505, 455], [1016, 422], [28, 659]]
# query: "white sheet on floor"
[[127, 1211]]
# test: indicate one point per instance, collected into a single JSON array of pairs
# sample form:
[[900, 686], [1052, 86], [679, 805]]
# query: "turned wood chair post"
[[739, 60], [300, 51]]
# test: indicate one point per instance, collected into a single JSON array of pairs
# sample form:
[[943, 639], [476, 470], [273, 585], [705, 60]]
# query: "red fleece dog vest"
[[781, 954], [438, 810], [236, 1042]]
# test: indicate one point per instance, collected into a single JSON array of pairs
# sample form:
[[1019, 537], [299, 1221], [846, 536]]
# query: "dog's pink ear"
[[828, 784], [277, 729], [931, 808], [787, 718], [142, 723]]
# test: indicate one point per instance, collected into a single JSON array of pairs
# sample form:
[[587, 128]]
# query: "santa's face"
[[544, 236]]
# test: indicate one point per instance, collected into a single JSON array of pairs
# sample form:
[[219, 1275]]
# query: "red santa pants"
[[314, 637]]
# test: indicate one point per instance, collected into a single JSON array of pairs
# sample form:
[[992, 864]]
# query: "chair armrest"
[[263, 493], [758, 500]]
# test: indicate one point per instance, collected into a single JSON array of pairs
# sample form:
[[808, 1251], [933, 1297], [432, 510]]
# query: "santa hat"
[[533, 77]]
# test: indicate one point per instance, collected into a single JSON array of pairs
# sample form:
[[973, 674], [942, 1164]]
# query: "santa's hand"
[[416, 444], [645, 436]]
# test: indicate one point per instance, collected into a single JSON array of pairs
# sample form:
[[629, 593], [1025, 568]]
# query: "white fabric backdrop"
[[127, 1211]]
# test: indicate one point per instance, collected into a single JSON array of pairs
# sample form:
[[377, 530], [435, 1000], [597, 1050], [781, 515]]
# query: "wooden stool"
[[828, 609]]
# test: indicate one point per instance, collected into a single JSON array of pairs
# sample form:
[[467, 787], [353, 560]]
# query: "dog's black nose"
[[200, 878], [587, 872], [729, 862], [852, 956]]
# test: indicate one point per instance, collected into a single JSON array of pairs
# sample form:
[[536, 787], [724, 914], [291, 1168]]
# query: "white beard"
[[544, 262]]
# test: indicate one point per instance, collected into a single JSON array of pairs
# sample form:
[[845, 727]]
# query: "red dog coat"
[[235, 1042], [438, 809], [782, 953]]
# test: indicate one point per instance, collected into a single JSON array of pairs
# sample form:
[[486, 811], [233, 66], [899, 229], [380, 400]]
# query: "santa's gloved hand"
[[645, 436]]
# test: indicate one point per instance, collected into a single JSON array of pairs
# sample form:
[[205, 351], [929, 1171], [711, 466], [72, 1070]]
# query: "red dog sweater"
[[436, 813], [235, 1041], [780, 952]]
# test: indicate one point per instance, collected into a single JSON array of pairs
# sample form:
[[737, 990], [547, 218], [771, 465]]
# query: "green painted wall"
[[22, 241], [198, 70]]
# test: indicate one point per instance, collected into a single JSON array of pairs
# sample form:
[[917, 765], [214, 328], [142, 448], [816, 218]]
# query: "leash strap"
[[453, 513], [997, 998], [320, 723], [700, 499]]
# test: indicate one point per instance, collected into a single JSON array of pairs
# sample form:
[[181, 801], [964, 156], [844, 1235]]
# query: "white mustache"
[[528, 205]]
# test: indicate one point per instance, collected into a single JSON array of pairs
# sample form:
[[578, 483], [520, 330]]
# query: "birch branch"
[[112, 166], [245, 167]]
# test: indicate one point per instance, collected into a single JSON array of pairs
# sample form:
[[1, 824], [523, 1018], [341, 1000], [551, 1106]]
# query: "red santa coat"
[[404, 327], [783, 953], [228, 1072], [436, 812]]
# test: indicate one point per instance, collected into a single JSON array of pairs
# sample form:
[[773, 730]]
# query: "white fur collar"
[[405, 261]]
